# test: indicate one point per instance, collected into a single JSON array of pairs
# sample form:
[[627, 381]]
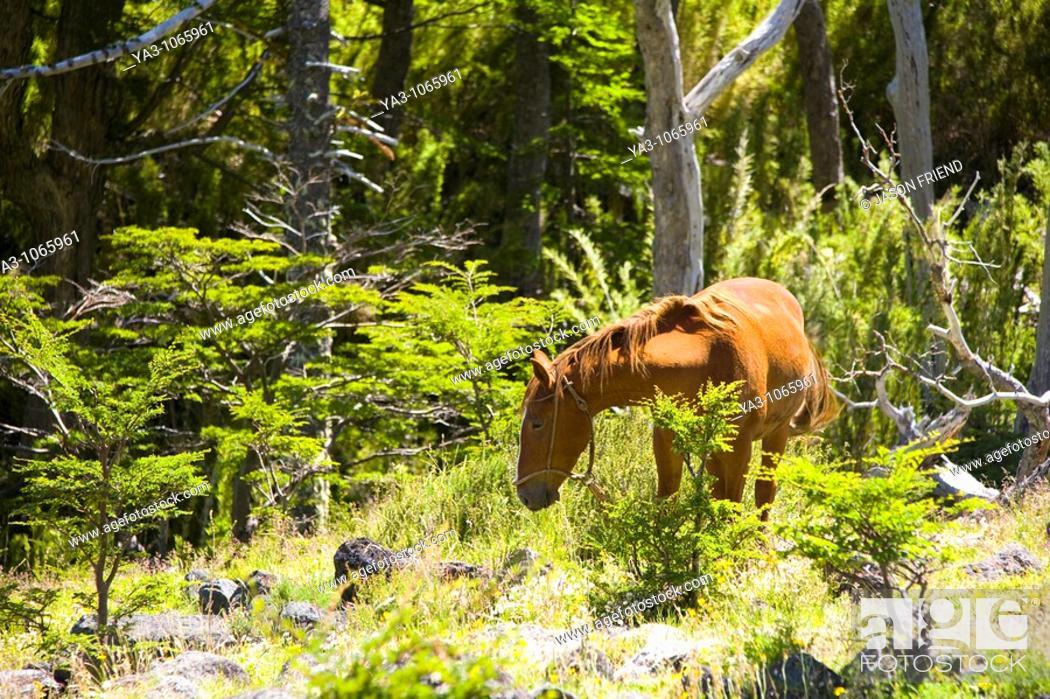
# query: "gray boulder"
[[302, 614], [222, 595], [199, 667], [29, 683], [187, 630], [797, 676], [169, 686], [261, 583], [355, 554], [519, 564], [181, 676], [586, 660], [1013, 559], [659, 655], [197, 575], [458, 569]]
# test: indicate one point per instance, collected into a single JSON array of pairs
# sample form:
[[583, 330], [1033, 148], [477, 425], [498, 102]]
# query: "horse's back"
[[763, 299], [767, 342]]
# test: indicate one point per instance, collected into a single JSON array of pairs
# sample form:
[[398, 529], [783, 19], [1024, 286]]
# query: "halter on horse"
[[587, 477]]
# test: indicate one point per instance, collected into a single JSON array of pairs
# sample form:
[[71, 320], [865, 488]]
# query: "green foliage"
[[594, 291], [100, 474], [701, 426], [651, 541], [459, 325], [397, 663], [884, 533]]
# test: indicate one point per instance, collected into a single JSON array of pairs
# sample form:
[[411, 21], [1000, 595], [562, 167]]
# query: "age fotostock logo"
[[949, 627]]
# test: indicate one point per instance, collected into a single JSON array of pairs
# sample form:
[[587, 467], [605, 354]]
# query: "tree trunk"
[[909, 93], [55, 193], [310, 125], [395, 58], [311, 207], [241, 505], [527, 163], [678, 242], [1040, 381], [818, 91]]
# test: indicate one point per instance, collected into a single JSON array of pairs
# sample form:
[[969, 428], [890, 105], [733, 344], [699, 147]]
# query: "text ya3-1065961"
[[39, 252]]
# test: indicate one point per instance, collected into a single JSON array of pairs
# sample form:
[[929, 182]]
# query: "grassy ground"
[[774, 601]]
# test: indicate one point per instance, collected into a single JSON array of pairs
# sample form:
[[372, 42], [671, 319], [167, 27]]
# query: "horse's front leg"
[[668, 463]]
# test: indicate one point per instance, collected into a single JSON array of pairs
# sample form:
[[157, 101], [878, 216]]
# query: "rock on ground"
[[355, 554], [459, 569], [185, 629], [302, 614], [800, 675], [261, 583], [16, 684], [198, 666], [666, 648], [586, 660], [540, 643], [1014, 559], [519, 563], [182, 675], [221, 595]]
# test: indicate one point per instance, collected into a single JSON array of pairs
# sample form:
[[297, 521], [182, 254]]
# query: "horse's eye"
[[537, 424]]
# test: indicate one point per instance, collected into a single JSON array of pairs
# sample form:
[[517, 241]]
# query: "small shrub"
[[883, 534], [397, 663], [652, 542]]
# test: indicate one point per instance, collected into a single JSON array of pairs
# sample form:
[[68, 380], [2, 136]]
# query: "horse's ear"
[[543, 368]]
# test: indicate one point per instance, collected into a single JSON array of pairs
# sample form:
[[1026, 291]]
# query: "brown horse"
[[747, 329]]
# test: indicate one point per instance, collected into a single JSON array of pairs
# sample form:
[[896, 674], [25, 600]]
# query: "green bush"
[[881, 533], [649, 542], [400, 664]]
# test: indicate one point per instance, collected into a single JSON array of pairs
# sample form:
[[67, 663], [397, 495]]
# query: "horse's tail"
[[820, 405]]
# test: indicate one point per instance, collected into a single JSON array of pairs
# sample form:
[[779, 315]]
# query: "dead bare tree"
[[940, 254], [678, 241]]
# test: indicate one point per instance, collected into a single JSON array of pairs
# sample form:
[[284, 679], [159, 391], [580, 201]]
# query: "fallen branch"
[[1003, 385]]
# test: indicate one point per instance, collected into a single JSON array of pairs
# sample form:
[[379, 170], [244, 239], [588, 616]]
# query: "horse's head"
[[555, 430]]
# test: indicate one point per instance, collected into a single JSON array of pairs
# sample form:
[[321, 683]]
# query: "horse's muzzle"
[[537, 495]]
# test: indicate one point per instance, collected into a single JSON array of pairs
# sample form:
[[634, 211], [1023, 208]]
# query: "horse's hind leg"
[[668, 463], [766, 486]]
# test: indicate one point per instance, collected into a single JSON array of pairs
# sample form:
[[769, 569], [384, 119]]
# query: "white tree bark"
[[1040, 381], [113, 51], [909, 93], [763, 38], [678, 243], [677, 199]]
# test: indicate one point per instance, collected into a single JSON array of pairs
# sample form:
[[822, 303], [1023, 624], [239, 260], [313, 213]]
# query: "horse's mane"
[[631, 334]]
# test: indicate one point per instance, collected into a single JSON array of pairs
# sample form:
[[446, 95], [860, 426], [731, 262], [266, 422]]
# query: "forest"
[[524, 349]]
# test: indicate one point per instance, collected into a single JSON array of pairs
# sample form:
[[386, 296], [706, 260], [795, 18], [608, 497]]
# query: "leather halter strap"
[[587, 477]]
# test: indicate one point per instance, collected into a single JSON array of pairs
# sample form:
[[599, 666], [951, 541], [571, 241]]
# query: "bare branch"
[[764, 37], [252, 74], [113, 51], [163, 149]]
